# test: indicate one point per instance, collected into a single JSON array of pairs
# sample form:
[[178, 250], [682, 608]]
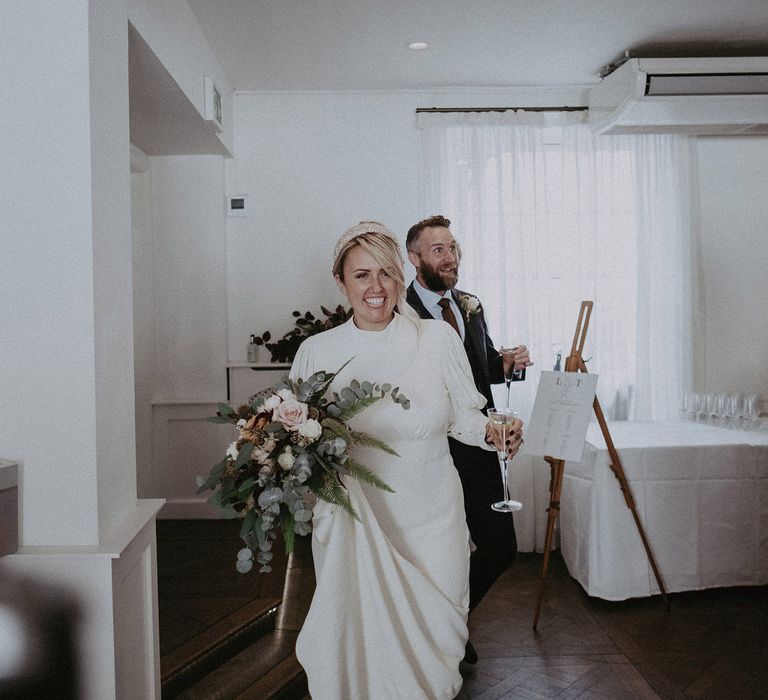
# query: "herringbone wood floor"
[[711, 644]]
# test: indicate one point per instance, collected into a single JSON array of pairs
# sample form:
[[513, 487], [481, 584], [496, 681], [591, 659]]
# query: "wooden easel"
[[575, 363]]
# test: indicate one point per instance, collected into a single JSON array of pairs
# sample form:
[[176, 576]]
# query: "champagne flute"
[[510, 352], [504, 418]]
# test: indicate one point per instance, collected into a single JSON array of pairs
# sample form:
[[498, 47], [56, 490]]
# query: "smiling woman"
[[368, 268], [370, 290], [402, 564]]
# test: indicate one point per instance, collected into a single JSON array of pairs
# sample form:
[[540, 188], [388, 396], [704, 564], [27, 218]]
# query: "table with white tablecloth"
[[701, 493]]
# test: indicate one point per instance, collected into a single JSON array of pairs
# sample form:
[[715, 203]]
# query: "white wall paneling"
[[114, 585], [186, 446], [245, 381], [137, 643]]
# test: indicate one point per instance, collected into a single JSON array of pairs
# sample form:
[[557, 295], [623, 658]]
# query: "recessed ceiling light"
[[418, 45]]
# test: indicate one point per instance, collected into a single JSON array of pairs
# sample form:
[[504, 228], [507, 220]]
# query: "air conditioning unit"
[[707, 96]]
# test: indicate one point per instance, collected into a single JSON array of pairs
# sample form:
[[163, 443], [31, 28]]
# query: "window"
[[548, 215]]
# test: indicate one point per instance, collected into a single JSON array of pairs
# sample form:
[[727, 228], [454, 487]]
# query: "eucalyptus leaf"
[[244, 454], [248, 523], [244, 566], [246, 486]]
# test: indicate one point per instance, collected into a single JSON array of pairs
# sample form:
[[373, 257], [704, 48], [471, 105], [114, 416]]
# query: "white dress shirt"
[[430, 300]]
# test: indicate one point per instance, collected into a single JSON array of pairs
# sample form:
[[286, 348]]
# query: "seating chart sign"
[[560, 417]]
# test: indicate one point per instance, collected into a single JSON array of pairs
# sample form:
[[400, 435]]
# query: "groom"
[[434, 253]]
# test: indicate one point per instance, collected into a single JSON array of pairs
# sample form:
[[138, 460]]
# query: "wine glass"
[[504, 417], [751, 411], [711, 409], [510, 352], [721, 408], [701, 407], [689, 406], [733, 410]]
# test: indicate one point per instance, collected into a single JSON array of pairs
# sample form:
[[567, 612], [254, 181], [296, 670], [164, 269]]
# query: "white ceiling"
[[362, 44]]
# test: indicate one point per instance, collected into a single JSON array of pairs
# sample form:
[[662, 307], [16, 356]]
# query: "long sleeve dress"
[[388, 620]]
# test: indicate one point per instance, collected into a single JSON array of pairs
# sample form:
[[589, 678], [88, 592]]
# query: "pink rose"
[[291, 414]]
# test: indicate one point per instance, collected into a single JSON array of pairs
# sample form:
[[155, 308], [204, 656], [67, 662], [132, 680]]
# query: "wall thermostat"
[[236, 205]]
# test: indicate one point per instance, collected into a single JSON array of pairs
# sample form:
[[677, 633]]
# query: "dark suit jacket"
[[484, 360]]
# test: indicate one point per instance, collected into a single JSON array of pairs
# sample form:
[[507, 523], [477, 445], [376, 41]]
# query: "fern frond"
[[286, 524], [362, 473], [338, 428], [361, 438], [332, 491]]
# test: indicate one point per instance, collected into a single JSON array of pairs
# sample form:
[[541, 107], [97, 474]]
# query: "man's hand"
[[515, 359]]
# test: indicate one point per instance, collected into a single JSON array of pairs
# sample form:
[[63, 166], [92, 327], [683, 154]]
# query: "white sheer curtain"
[[547, 215]]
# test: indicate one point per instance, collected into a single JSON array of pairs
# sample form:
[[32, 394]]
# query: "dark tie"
[[445, 305]]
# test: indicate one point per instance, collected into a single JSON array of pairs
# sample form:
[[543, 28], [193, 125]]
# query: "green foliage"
[[272, 496], [361, 438], [362, 473], [329, 488], [306, 325], [286, 525]]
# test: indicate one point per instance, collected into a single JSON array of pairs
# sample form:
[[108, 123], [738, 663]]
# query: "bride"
[[388, 619]]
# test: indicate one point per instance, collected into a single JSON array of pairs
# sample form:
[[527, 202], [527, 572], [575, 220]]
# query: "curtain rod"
[[500, 109]]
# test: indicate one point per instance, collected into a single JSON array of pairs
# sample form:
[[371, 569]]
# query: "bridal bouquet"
[[292, 447]]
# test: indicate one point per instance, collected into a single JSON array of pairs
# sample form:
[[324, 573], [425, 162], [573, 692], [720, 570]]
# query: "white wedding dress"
[[388, 620]]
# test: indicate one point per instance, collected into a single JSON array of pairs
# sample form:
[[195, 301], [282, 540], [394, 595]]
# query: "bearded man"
[[434, 253]]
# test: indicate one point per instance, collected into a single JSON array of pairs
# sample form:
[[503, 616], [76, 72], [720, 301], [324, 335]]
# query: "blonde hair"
[[384, 248]]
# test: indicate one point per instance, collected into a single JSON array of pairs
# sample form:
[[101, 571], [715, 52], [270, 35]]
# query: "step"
[[202, 653], [267, 669]]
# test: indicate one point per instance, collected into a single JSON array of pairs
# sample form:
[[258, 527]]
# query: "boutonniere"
[[469, 304]]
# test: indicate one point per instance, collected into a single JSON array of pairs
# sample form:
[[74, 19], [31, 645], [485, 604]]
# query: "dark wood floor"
[[198, 585], [711, 644]]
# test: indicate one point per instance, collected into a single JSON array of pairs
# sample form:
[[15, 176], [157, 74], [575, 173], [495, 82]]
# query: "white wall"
[[66, 347], [732, 347], [189, 277], [312, 164], [143, 320], [112, 262], [51, 227]]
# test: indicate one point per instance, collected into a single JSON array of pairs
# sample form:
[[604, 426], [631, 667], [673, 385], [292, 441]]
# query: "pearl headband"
[[358, 230]]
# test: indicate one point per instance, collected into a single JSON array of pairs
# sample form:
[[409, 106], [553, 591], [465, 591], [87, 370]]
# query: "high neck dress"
[[388, 620]]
